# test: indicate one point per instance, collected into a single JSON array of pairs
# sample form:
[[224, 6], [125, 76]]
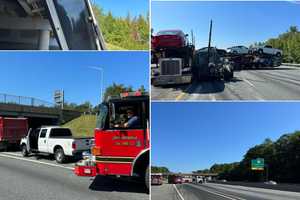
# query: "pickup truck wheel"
[[147, 178], [60, 156], [260, 51], [278, 54], [24, 151]]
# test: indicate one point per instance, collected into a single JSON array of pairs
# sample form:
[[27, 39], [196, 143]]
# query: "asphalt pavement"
[[43, 179], [210, 191], [280, 83]]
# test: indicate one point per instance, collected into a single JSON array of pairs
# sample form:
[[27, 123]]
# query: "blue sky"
[[234, 23], [191, 136], [39, 74], [122, 7]]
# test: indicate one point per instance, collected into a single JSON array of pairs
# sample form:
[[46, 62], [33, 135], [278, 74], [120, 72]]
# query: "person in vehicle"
[[133, 120]]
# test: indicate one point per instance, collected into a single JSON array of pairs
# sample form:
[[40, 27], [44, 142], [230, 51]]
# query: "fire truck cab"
[[121, 139]]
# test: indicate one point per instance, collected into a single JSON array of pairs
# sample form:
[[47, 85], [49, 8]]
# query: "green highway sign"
[[258, 164]]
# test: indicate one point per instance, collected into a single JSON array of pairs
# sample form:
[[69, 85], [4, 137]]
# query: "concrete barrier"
[[291, 64], [279, 186]]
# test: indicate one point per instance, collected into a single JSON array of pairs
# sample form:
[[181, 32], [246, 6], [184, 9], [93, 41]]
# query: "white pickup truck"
[[54, 140], [267, 49]]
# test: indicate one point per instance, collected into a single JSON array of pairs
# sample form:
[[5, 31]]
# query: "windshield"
[[101, 119], [168, 33], [76, 22], [60, 132]]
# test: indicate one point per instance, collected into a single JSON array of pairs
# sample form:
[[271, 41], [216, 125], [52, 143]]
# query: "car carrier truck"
[[120, 149], [172, 54], [11, 131], [49, 24]]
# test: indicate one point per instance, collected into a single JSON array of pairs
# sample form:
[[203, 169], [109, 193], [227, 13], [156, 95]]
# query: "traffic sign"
[[258, 164]]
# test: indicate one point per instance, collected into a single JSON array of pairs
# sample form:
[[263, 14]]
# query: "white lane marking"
[[251, 84], [35, 161], [12, 154], [231, 197], [181, 197]]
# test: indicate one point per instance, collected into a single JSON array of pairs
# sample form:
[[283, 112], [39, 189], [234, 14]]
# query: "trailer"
[[12, 130]]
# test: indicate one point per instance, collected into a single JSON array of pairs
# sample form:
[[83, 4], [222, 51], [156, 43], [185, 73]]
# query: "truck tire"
[[278, 54], [260, 51], [60, 156], [24, 150], [147, 178]]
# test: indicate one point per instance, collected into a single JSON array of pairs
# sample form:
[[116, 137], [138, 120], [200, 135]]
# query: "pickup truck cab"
[[54, 140], [267, 49]]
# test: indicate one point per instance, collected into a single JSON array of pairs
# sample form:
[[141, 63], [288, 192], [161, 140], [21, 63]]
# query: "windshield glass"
[[60, 132], [76, 23], [168, 33], [101, 118]]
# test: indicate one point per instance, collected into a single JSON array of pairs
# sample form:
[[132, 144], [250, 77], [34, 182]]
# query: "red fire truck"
[[120, 149], [11, 131]]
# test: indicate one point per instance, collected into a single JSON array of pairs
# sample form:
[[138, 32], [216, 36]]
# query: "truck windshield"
[[101, 119], [75, 19], [60, 132], [168, 33]]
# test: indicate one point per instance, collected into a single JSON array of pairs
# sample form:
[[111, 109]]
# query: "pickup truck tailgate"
[[83, 144]]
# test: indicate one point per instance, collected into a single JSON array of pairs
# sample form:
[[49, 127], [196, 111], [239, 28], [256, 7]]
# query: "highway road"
[[210, 191], [281, 83], [43, 179]]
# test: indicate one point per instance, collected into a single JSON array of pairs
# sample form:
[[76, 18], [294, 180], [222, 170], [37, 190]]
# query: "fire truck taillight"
[[96, 151]]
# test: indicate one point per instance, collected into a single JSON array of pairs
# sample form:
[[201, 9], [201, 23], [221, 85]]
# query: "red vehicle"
[[120, 149], [12, 130], [169, 39], [156, 179], [175, 179]]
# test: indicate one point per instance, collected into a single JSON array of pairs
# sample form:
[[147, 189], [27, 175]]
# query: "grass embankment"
[[82, 126], [114, 47]]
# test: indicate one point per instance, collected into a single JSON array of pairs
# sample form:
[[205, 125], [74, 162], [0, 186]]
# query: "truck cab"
[[49, 24], [121, 139], [54, 140]]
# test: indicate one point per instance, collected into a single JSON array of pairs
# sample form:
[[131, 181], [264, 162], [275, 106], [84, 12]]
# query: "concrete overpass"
[[37, 111]]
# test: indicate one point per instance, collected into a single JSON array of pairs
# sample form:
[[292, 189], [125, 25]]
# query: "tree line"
[[156, 169], [282, 159], [288, 42], [113, 90], [130, 33]]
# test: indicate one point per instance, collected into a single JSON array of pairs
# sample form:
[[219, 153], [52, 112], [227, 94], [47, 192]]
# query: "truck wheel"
[[278, 54], [24, 151], [60, 156], [260, 51], [147, 179], [227, 75]]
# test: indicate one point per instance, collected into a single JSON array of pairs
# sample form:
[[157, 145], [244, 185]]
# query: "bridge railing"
[[26, 101]]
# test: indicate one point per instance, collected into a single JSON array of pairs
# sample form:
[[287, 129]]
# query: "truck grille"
[[170, 67]]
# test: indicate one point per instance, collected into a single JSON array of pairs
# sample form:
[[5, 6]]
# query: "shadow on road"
[[206, 87], [111, 184]]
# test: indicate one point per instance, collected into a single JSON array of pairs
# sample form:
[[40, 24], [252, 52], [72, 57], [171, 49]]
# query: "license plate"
[[87, 171]]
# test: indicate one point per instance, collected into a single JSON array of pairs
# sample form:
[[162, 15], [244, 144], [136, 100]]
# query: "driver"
[[133, 120]]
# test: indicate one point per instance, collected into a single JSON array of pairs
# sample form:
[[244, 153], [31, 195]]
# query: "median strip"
[[34, 161]]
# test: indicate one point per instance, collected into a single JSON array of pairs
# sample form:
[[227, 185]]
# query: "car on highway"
[[175, 179], [54, 140], [169, 39], [238, 50], [266, 49], [156, 179], [270, 183]]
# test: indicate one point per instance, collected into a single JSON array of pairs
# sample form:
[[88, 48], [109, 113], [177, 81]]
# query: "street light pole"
[[102, 79]]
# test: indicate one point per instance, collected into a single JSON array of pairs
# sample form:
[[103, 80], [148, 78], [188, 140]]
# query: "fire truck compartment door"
[[123, 143]]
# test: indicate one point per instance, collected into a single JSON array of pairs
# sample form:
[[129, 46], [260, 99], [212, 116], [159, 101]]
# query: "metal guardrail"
[[25, 101]]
